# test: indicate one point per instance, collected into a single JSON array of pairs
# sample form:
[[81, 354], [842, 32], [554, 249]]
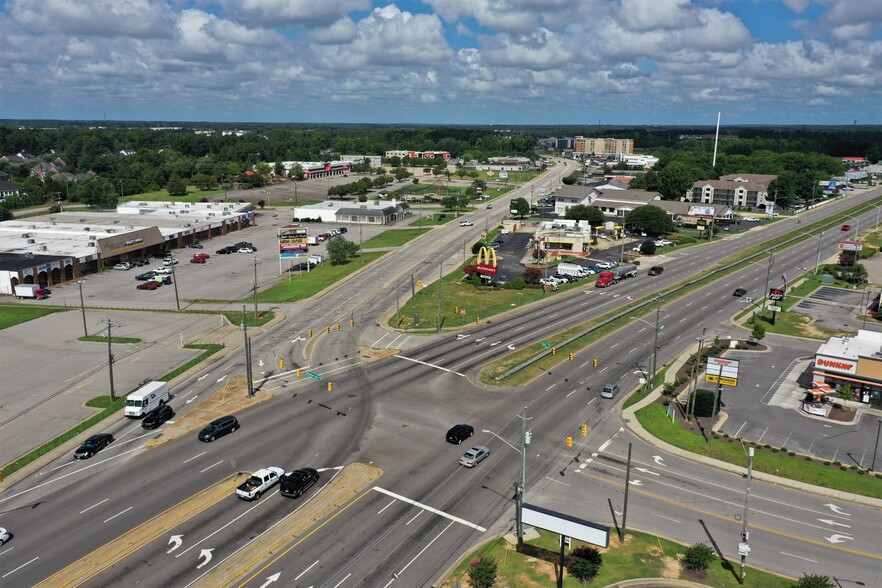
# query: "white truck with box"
[[571, 269], [146, 398], [30, 291]]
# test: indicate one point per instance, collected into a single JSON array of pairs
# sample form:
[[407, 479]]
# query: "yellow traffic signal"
[[330, 386], [595, 362], [338, 326], [569, 441], [572, 356], [455, 310], [419, 283], [298, 372], [554, 351], [328, 329], [281, 364], [351, 323], [309, 332], [477, 320], [584, 429]]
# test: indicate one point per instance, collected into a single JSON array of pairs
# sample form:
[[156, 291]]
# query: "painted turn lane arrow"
[[271, 579], [838, 538], [206, 553], [833, 523], [175, 541]]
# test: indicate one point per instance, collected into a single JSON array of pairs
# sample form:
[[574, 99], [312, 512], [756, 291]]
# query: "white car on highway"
[[4, 535], [466, 223]]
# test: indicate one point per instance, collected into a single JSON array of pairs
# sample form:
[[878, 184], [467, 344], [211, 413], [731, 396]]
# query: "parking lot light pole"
[[83, 308], [876, 447], [175, 284]]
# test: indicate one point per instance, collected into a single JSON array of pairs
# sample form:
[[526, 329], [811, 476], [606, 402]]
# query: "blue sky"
[[444, 61]]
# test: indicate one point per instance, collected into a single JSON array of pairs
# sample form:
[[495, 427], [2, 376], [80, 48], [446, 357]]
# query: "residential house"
[[8, 189]]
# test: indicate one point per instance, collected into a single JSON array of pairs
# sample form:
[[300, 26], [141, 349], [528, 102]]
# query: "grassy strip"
[[642, 555], [235, 318], [193, 195], [306, 284], [103, 339], [394, 238], [108, 409], [433, 219], [654, 419], [15, 314]]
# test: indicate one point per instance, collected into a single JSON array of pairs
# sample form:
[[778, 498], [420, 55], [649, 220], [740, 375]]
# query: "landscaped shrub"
[[584, 563], [517, 283], [704, 402], [698, 557], [813, 581], [482, 572]]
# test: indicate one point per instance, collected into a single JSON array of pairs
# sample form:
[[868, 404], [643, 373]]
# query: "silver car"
[[471, 457]]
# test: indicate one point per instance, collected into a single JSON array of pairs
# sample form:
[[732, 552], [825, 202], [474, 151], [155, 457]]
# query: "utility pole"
[[876, 447], [247, 354], [175, 284], [694, 384], [525, 440], [256, 263], [627, 488], [360, 244], [397, 302], [744, 545], [440, 287], [655, 345], [83, 308], [110, 323], [413, 317], [818, 259], [765, 293]]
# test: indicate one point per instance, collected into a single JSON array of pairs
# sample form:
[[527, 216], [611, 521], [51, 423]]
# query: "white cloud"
[[282, 13], [99, 18]]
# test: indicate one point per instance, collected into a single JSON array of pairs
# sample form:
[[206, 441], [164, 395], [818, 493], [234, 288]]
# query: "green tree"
[[5, 213], [571, 179], [450, 202], [674, 180], [279, 169], [584, 563], [698, 557], [758, 331], [477, 247], [97, 192], [814, 581], [400, 173], [521, 207], [648, 247], [296, 172], [592, 214], [204, 181], [651, 219], [482, 572], [532, 274], [176, 186], [340, 250]]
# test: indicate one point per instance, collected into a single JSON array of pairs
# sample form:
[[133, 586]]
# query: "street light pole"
[[175, 284], [247, 354], [655, 345], [818, 259], [768, 277], [522, 483], [83, 308], [876, 447], [744, 546], [110, 323]]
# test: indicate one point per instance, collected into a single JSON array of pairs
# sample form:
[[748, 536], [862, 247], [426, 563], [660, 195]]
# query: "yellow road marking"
[[730, 520]]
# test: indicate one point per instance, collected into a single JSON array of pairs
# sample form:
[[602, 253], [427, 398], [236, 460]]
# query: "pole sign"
[[776, 294], [722, 371], [851, 245], [486, 261]]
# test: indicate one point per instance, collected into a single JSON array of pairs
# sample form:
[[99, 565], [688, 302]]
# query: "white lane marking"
[[414, 517], [558, 481], [429, 544], [632, 351], [613, 345], [218, 530], [797, 557], [119, 514], [553, 315], [392, 342], [7, 550], [604, 446], [430, 509], [10, 497], [20, 567], [520, 328], [429, 364], [571, 393], [221, 379], [194, 457], [668, 518], [385, 507], [94, 505], [380, 339], [603, 369], [211, 466], [306, 570], [552, 386], [584, 364], [337, 585]]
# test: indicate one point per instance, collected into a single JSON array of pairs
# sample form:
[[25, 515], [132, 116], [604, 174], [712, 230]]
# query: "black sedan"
[[93, 445], [157, 416], [459, 433], [656, 270], [297, 482], [146, 276]]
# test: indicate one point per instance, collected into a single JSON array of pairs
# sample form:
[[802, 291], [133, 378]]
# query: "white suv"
[[466, 223]]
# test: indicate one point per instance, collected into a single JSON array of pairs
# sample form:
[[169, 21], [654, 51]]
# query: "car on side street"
[[293, 485], [655, 270], [474, 456], [156, 417], [843, 228], [93, 445], [459, 433]]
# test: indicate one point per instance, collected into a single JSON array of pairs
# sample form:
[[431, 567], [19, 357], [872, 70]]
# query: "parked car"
[[594, 269], [4, 535], [343, 230], [145, 276], [751, 219], [297, 482], [93, 445], [503, 231], [169, 261], [223, 251], [148, 285], [195, 246], [655, 270], [163, 270], [473, 456], [605, 265], [124, 266], [218, 428], [157, 416], [459, 433], [466, 223], [247, 250], [739, 292]]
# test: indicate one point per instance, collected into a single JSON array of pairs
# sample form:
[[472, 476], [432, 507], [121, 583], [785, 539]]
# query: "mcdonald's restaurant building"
[[856, 361]]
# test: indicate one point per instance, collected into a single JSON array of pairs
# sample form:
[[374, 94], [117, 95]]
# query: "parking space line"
[[430, 509]]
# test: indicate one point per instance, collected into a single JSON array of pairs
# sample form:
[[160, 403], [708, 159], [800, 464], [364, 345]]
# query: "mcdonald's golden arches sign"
[[486, 262]]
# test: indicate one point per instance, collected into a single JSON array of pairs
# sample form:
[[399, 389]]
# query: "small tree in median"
[[758, 331], [698, 557], [584, 563], [814, 581], [482, 572]]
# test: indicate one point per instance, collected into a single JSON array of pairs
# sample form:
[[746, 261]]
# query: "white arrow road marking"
[[511, 347], [458, 337], [206, 553], [636, 482], [175, 541], [836, 509], [495, 343], [221, 379], [833, 523], [603, 447], [260, 362], [645, 471], [618, 514], [329, 469], [298, 339], [838, 538], [192, 399], [658, 460], [202, 378], [477, 341], [271, 579]]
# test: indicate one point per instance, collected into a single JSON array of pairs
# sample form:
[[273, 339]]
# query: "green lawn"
[[641, 556], [654, 419], [193, 195], [14, 314], [432, 219], [103, 339], [393, 238], [306, 284]]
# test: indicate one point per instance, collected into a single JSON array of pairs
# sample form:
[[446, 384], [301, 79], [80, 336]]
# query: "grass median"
[[15, 314], [393, 238], [302, 285]]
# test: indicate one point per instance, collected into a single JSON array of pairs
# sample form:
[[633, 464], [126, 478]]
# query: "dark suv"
[[157, 416], [459, 433], [656, 270], [218, 428], [297, 482]]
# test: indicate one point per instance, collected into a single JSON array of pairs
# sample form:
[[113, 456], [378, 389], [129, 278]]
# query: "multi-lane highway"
[[425, 511]]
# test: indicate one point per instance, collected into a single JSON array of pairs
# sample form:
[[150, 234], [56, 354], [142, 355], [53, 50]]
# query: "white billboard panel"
[[566, 525]]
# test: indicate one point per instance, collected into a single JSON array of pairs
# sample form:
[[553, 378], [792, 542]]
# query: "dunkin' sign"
[[836, 365]]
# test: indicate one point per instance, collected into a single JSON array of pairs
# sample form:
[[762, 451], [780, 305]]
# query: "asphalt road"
[[394, 413]]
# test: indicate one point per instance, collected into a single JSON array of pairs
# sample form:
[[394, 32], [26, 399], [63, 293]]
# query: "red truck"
[[612, 276], [199, 257]]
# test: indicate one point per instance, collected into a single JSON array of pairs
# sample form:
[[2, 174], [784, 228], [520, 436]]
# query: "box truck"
[[146, 398], [571, 269], [30, 291]]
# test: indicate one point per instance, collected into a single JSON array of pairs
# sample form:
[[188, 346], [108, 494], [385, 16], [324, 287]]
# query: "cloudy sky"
[[444, 61]]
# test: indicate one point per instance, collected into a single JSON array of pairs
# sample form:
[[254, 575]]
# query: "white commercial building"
[[346, 211]]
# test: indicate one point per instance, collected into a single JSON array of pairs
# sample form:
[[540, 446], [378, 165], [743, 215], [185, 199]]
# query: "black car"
[[93, 445], [218, 428], [739, 292], [656, 270], [297, 482], [157, 416], [146, 276], [195, 246], [342, 230], [222, 251], [459, 433]]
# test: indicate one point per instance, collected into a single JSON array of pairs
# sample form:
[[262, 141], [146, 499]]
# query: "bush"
[[698, 557], [476, 280], [482, 572], [517, 283], [584, 563], [704, 402], [814, 581]]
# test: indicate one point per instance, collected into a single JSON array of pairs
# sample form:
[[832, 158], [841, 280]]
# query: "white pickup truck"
[[259, 482]]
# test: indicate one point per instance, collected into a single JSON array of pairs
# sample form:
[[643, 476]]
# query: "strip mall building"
[[853, 360]]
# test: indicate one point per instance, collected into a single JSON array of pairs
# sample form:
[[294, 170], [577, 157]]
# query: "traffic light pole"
[[744, 546], [627, 488]]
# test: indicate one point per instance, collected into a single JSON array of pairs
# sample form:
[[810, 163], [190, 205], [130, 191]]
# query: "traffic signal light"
[[309, 332], [330, 386], [554, 351], [419, 284], [281, 364], [455, 310], [477, 320], [328, 329], [571, 356], [338, 326], [351, 323], [569, 441], [584, 429], [595, 362], [298, 372]]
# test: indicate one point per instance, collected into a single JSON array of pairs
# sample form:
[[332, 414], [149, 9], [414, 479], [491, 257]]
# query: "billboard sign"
[[851, 245], [701, 212], [776, 294], [722, 371], [486, 262], [565, 525]]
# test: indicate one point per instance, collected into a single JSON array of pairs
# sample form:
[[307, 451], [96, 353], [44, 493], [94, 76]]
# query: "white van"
[[146, 398]]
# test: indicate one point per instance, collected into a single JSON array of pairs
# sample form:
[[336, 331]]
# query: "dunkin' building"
[[853, 360]]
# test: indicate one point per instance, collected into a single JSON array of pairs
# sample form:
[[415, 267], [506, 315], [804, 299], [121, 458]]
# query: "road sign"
[[722, 371], [546, 345], [774, 308], [462, 312], [314, 376]]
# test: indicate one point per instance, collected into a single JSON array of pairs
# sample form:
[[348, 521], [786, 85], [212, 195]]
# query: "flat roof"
[[865, 344]]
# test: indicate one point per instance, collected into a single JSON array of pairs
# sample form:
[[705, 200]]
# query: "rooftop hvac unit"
[[130, 227], [52, 222], [82, 220], [32, 226], [116, 222], [31, 241], [110, 231], [227, 213], [93, 237], [87, 229], [188, 225], [25, 235], [211, 214], [186, 206], [43, 248]]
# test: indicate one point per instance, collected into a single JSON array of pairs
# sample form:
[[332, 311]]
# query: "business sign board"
[[836, 364], [706, 212], [851, 245], [565, 525], [293, 242], [486, 262], [722, 371], [776, 294]]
